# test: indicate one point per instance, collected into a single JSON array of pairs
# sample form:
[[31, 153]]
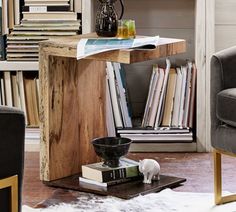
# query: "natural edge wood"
[[72, 113], [67, 48]]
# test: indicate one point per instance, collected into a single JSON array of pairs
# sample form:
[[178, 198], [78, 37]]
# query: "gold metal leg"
[[13, 183], [218, 180], [217, 177]]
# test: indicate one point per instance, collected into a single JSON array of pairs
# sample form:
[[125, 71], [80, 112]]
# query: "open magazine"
[[91, 46]]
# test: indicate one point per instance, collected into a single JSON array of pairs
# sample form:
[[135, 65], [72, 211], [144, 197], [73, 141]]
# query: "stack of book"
[[169, 111], [41, 20], [100, 175], [21, 90]]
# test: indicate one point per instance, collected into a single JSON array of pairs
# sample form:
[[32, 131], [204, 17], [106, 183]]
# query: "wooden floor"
[[197, 168]]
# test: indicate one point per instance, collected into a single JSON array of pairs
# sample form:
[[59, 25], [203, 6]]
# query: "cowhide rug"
[[164, 201]]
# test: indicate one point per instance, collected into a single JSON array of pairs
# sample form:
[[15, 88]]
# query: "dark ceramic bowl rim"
[[105, 145]]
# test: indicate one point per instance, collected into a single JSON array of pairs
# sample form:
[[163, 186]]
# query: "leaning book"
[[100, 173]]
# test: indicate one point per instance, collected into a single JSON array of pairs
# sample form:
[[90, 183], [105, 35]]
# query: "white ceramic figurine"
[[150, 170]]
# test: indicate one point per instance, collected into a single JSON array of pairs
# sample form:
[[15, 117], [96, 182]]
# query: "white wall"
[[225, 24]]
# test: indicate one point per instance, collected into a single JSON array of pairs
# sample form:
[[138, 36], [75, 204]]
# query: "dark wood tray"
[[126, 190]]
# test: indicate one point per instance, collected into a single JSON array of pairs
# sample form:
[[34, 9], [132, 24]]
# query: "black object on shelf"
[[106, 18]]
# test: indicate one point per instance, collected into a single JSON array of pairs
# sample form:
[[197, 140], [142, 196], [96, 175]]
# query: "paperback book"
[[100, 173]]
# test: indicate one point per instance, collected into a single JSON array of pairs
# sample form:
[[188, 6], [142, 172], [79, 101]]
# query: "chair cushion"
[[226, 106]]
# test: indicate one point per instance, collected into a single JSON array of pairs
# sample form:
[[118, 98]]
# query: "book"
[[11, 19], [192, 96], [114, 98], [175, 117], [43, 32], [100, 173], [183, 88], [46, 8], [169, 98], [15, 90], [144, 137], [187, 94], [159, 130], [122, 99], [50, 16], [16, 12], [110, 183], [150, 89], [110, 122], [19, 75], [2, 47], [8, 88], [5, 14], [162, 96], [156, 98], [3, 98], [31, 100]]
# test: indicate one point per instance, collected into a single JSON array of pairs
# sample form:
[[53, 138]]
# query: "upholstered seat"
[[223, 113]]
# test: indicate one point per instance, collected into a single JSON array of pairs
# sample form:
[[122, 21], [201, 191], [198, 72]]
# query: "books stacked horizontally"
[[100, 175], [21, 90], [41, 20], [169, 111]]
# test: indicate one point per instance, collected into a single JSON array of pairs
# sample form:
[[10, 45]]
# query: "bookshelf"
[[12, 22], [200, 46]]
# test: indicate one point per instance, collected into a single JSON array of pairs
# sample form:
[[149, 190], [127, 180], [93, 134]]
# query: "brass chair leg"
[[217, 177], [218, 180], [13, 183]]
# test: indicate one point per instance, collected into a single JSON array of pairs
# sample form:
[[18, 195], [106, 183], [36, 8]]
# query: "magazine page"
[[91, 46]]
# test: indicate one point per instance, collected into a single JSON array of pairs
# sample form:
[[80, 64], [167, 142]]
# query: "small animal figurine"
[[150, 169]]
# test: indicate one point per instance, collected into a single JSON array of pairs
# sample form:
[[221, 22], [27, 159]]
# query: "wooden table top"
[[67, 47]]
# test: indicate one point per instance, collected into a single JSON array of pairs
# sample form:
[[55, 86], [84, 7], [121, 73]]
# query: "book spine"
[[58, 8], [2, 47], [119, 174]]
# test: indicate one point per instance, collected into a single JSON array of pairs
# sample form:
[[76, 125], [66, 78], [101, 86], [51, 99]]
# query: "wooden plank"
[[66, 47], [44, 114], [75, 113], [126, 190]]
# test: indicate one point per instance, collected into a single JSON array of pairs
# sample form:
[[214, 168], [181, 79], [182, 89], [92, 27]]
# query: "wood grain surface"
[[126, 190], [75, 110], [67, 47]]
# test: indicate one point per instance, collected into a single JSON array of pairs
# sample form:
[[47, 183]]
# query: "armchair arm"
[[223, 76]]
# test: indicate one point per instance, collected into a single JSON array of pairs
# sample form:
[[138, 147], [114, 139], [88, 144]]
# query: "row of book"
[[169, 111], [21, 90], [40, 20], [103, 176]]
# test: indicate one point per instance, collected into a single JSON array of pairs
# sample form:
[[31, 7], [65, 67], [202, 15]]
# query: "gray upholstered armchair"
[[12, 134], [223, 113]]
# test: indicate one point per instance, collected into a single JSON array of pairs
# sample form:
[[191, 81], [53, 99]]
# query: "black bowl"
[[111, 149]]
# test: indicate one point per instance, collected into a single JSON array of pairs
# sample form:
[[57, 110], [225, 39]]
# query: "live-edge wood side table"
[[72, 100]]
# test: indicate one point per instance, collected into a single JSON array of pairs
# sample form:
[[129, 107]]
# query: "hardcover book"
[[101, 173]]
